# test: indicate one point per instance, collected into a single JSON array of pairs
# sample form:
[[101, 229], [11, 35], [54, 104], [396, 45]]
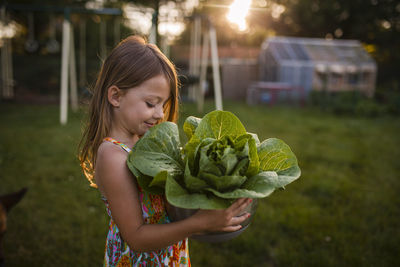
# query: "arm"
[[118, 185]]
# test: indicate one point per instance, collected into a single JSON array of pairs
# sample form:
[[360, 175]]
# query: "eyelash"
[[150, 105]]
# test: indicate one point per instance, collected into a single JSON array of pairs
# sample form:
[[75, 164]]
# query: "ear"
[[114, 95], [10, 200]]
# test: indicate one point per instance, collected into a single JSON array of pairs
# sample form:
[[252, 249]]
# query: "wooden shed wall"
[[236, 76]]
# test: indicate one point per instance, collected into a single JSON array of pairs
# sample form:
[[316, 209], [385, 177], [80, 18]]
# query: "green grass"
[[343, 211]]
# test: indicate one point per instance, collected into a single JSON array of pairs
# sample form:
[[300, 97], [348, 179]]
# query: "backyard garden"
[[344, 210]]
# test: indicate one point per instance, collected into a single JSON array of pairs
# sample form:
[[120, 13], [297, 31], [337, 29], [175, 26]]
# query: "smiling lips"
[[149, 124]]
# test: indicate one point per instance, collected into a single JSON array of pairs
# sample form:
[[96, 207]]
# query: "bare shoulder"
[[111, 171], [109, 152]]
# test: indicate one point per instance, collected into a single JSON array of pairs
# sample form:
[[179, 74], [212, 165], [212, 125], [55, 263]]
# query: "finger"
[[236, 204], [239, 219], [242, 207], [232, 228]]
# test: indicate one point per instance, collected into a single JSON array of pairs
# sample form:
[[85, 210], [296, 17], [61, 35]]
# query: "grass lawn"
[[343, 211]]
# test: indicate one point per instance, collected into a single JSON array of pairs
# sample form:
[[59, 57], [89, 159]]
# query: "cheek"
[[141, 112]]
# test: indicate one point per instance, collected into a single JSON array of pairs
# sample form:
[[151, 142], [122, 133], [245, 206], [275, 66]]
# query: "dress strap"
[[122, 145]]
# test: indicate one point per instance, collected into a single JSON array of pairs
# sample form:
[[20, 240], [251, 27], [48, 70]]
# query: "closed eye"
[[150, 105]]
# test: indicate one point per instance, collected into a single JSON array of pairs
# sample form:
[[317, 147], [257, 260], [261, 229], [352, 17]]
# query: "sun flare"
[[238, 11]]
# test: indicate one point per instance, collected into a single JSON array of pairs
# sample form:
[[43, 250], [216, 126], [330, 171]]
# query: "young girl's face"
[[142, 107]]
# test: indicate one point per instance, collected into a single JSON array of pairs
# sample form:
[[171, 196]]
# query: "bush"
[[394, 103], [370, 108], [354, 103], [389, 95], [345, 102]]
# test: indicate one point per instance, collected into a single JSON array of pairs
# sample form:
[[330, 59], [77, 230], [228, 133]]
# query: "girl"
[[137, 88]]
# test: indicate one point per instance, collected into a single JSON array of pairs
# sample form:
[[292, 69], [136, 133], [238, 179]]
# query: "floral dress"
[[117, 251]]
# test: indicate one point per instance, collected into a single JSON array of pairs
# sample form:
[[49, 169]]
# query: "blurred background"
[[320, 75]]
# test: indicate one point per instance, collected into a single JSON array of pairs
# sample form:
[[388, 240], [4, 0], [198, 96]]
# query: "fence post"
[[64, 67], [215, 66]]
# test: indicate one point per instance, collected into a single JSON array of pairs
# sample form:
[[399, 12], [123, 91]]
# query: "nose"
[[159, 113]]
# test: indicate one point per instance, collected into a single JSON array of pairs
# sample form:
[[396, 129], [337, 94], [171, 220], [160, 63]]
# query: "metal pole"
[[203, 72], [103, 49], [72, 73], [10, 69], [10, 80], [191, 49], [215, 67], [117, 30], [64, 69], [4, 70], [153, 30], [165, 46], [192, 59], [196, 63], [6, 63], [82, 54]]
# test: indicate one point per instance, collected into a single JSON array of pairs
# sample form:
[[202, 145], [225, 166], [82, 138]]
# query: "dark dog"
[[6, 203]]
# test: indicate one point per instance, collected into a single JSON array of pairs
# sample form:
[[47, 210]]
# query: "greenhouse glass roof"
[[318, 51]]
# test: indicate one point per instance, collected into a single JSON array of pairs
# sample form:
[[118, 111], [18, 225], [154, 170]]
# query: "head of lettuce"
[[220, 162]]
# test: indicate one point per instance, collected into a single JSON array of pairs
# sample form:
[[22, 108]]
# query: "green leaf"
[[162, 138], [133, 169], [205, 164], [144, 182], [218, 124], [157, 151], [191, 152], [193, 184], [160, 179], [229, 160], [254, 165], [180, 197], [264, 181], [241, 167], [275, 155], [249, 150], [255, 137], [258, 186], [223, 183], [190, 125], [151, 163], [262, 184]]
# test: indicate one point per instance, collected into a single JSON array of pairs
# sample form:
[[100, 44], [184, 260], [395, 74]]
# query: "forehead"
[[157, 86]]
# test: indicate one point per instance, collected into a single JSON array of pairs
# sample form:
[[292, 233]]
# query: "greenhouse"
[[317, 64]]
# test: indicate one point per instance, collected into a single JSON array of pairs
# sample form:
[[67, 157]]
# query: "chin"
[[142, 132]]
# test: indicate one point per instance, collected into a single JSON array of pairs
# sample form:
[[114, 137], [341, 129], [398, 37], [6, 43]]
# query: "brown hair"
[[129, 64]]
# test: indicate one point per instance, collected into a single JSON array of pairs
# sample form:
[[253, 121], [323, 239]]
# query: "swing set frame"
[[68, 80]]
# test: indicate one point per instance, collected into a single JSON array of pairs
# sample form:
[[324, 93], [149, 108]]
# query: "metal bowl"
[[177, 214]]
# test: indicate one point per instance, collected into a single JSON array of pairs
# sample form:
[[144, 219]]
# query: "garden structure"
[[68, 79], [296, 66]]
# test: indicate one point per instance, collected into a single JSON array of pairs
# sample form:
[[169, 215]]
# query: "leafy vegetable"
[[219, 163]]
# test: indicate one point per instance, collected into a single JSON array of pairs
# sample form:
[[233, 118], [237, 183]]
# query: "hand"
[[227, 220]]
